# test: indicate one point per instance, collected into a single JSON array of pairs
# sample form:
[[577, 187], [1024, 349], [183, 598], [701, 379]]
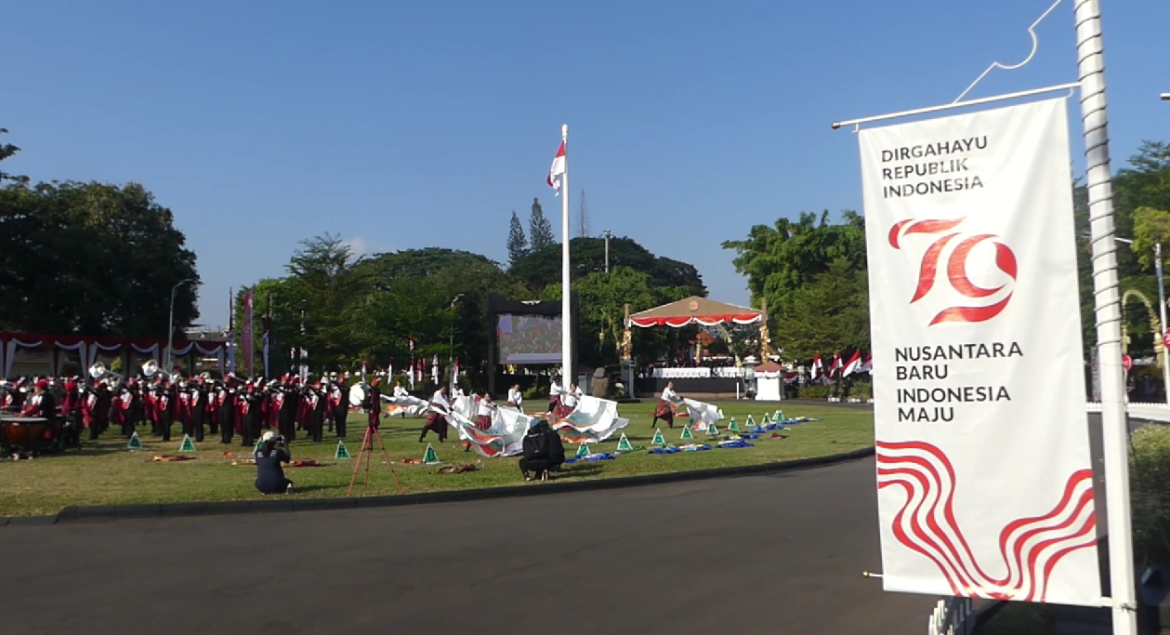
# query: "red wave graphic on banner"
[[1029, 547]]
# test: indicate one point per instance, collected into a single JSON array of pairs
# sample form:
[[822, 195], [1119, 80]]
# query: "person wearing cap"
[[250, 415], [543, 451], [270, 477], [41, 403], [71, 413], [225, 399], [318, 407], [339, 402], [164, 399]]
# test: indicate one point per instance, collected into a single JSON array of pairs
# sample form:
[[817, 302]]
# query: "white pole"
[[1091, 70], [566, 304]]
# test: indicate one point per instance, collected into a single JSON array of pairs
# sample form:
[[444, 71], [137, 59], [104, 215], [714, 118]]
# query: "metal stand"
[[366, 450]]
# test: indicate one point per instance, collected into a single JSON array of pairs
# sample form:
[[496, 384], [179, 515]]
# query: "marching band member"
[[318, 405], [249, 407], [516, 398], [226, 399], [104, 401], [164, 402], [339, 403], [437, 418], [198, 406], [89, 402], [41, 403], [120, 411], [666, 405], [211, 406], [71, 413]]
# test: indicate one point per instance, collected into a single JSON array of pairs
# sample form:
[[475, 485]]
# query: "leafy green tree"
[[601, 299], [828, 313], [7, 151], [782, 258], [1150, 228], [539, 269], [92, 258], [517, 241], [540, 233]]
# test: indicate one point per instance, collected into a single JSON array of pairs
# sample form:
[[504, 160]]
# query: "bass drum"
[[357, 395]]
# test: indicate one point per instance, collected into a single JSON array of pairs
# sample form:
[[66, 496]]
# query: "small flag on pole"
[[556, 173]]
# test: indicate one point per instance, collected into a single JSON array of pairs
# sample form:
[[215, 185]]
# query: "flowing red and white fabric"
[[704, 320], [1029, 547], [867, 365], [835, 367], [853, 365], [815, 371], [556, 173]]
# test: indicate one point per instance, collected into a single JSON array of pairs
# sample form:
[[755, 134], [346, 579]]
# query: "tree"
[[601, 299], [782, 258], [94, 259], [539, 269], [828, 313], [7, 151], [540, 234], [331, 285], [1150, 227], [517, 242]]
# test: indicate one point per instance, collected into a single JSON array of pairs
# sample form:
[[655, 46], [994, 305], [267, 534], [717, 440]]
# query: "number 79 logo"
[[959, 263]]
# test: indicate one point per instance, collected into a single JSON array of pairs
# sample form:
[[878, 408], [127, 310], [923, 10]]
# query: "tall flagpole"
[[566, 303], [1114, 428]]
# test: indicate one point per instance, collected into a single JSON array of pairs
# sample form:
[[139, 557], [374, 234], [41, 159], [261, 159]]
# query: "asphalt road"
[[767, 554]]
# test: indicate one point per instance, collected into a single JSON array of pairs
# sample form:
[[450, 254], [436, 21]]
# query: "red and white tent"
[[695, 310]]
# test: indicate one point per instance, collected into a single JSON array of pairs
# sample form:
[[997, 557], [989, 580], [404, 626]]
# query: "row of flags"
[[839, 370]]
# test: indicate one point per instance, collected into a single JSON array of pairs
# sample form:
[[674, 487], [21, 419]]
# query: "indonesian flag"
[[867, 365], [836, 366], [853, 365], [435, 370], [816, 367], [455, 372], [556, 173]]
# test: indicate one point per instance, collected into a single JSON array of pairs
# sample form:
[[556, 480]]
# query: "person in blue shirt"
[[269, 474]]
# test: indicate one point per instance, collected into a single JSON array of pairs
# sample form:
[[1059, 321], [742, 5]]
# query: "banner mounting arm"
[[836, 125]]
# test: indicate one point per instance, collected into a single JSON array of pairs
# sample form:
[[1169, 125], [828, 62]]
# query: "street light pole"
[[451, 358], [607, 235], [171, 324]]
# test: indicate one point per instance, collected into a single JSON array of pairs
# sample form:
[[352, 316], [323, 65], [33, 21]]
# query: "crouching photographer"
[[269, 474], [543, 451]]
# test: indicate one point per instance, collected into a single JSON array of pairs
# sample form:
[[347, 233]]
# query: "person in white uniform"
[[516, 398]]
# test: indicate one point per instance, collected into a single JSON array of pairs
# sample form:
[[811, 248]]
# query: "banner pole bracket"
[[836, 125], [870, 574]]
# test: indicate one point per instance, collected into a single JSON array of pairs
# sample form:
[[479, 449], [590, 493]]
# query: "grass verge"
[[104, 472]]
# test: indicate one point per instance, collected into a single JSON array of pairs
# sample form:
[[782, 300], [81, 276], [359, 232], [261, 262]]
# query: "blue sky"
[[414, 124]]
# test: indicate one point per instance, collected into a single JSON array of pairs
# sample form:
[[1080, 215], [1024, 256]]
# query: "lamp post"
[[171, 325], [607, 236], [451, 358]]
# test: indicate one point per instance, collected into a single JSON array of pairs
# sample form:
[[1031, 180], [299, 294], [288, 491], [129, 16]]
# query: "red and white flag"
[[836, 365], [816, 367], [867, 365], [853, 365], [556, 173]]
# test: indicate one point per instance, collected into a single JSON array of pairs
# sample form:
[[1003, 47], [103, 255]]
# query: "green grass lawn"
[[104, 472]]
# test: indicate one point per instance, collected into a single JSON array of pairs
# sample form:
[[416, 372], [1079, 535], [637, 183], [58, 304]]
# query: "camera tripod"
[[366, 450]]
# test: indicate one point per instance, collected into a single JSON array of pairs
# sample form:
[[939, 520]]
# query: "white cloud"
[[361, 246]]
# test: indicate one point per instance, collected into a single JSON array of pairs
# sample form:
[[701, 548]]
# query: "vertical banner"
[[267, 332], [984, 477], [231, 335], [247, 344]]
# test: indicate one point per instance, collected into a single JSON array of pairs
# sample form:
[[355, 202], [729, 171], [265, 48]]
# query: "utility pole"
[[584, 216], [607, 235]]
